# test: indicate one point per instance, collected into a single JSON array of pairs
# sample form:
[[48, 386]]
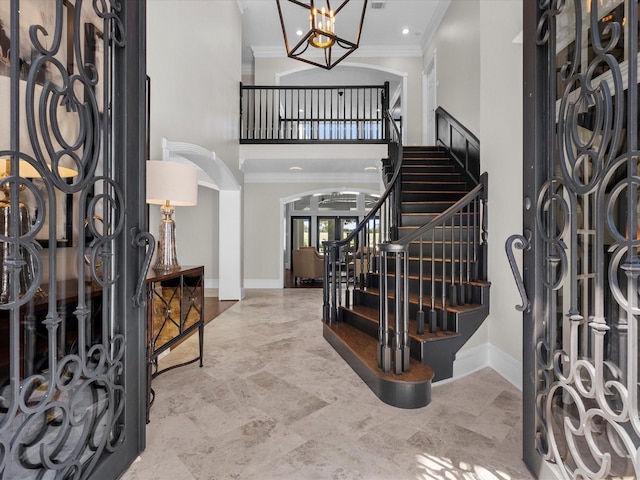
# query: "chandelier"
[[331, 34]]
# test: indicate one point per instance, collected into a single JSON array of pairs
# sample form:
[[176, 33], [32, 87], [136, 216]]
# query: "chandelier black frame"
[[334, 47]]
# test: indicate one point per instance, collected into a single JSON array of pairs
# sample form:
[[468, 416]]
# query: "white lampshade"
[[172, 181]]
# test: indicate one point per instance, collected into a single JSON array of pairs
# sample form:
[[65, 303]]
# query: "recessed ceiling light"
[[370, 169], [295, 169], [405, 31], [299, 32]]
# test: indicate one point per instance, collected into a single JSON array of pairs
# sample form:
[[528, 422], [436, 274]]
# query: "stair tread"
[[416, 227], [366, 348], [475, 283], [414, 298], [371, 314], [433, 214], [428, 202]]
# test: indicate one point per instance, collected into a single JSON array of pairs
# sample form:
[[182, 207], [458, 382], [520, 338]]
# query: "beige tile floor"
[[275, 401]]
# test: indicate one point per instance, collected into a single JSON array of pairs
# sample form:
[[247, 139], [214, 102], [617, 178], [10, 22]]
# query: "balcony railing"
[[340, 114]]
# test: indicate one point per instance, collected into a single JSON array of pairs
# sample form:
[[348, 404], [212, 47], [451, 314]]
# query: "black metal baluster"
[[461, 296], [384, 350], [420, 314], [468, 295], [443, 293], [433, 314], [453, 301]]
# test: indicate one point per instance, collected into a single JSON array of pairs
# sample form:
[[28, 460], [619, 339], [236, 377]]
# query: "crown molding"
[[434, 22]]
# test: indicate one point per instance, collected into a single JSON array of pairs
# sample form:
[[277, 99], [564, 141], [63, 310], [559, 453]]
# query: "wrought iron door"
[[72, 355], [580, 241]]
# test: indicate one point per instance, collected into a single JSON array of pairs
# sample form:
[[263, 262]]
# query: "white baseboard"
[[471, 360], [506, 365], [476, 358], [263, 283]]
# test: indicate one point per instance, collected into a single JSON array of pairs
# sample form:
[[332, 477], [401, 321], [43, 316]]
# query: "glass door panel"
[[69, 376], [580, 240], [300, 232], [326, 230], [347, 226]]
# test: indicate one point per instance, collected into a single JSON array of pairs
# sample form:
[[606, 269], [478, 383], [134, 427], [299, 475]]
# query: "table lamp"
[[27, 272], [170, 184]]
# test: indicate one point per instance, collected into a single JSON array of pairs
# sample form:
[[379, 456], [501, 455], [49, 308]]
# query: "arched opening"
[[311, 218]]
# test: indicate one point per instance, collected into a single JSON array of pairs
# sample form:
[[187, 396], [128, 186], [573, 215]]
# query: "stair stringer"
[[391, 389], [441, 354]]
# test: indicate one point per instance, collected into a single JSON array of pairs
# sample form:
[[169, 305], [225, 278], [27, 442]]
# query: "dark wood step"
[[370, 308], [413, 219], [436, 206], [476, 291], [412, 389], [434, 175], [422, 196], [462, 233], [433, 186], [425, 157]]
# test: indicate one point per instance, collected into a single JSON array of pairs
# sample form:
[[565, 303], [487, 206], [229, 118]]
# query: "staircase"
[[440, 266]]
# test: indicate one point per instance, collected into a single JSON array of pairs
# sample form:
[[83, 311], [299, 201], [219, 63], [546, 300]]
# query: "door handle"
[[143, 239], [521, 242]]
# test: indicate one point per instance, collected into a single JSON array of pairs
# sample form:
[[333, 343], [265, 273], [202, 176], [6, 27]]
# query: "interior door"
[[580, 240], [72, 349]]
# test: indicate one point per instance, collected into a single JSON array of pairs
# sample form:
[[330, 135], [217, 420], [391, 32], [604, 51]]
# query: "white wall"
[[479, 74], [194, 62], [457, 49], [501, 153], [264, 228]]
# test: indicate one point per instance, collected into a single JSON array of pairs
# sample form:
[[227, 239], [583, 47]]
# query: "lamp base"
[[166, 258]]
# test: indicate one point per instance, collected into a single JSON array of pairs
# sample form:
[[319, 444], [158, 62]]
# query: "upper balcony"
[[277, 123], [337, 114]]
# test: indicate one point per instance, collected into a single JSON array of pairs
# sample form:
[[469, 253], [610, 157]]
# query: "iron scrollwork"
[[61, 401], [587, 420]]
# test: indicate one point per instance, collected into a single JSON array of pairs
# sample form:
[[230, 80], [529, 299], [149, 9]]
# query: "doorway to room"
[[317, 217]]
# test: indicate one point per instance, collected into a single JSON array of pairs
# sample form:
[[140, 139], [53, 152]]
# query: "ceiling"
[[381, 35]]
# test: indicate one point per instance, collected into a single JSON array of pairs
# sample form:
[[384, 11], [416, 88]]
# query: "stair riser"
[[426, 170], [372, 328], [439, 248], [460, 234], [471, 268], [417, 196], [425, 207], [467, 265], [423, 156], [416, 346], [475, 294], [418, 220], [426, 187]]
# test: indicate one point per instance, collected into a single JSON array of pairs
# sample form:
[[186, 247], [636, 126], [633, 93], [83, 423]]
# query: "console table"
[[174, 312]]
